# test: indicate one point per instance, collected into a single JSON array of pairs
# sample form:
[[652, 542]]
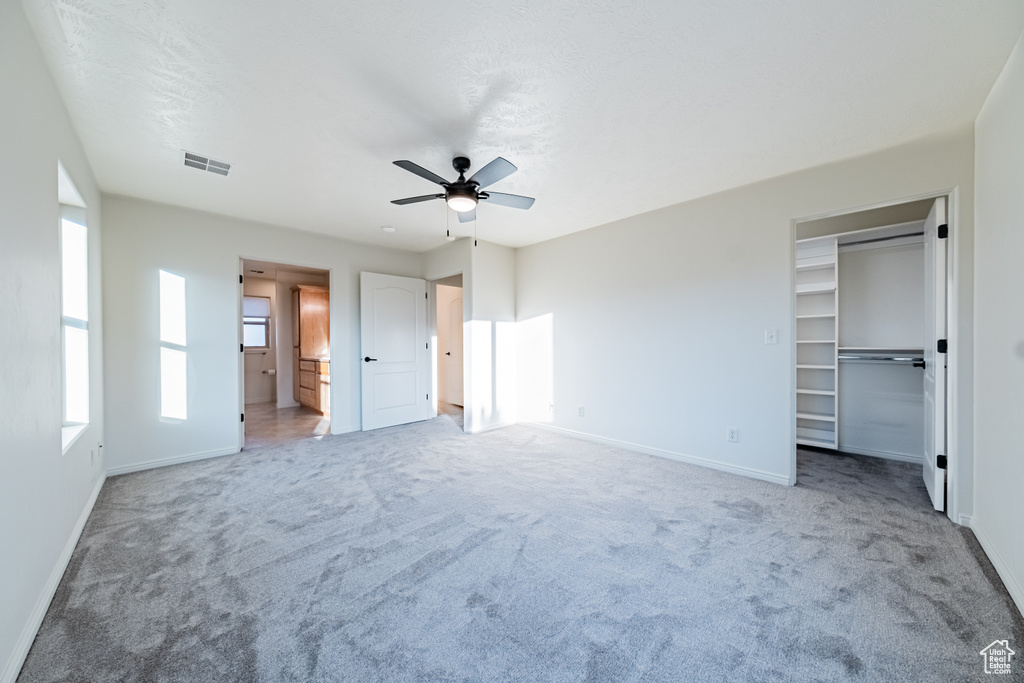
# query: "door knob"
[[447, 353], [368, 359], [918, 364]]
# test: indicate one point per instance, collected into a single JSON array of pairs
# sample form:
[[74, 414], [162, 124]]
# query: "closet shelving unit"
[[817, 334]]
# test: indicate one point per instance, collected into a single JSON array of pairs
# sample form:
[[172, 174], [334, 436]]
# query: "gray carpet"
[[422, 553]]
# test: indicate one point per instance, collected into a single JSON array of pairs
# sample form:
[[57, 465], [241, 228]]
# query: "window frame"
[[264, 321], [72, 429]]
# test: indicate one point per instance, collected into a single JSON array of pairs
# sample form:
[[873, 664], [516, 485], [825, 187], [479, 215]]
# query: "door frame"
[[432, 335], [956, 499], [242, 258]]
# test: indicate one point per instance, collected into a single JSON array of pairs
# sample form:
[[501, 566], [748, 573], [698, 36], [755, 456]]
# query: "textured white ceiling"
[[609, 107]]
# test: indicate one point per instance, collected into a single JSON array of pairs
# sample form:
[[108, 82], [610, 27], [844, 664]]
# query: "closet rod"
[[881, 239], [883, 359]]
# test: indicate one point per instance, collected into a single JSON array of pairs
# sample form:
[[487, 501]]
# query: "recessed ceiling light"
[[387, 228]]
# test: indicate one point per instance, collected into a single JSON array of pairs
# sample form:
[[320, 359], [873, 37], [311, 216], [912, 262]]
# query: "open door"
[[395, 360], [454, 353], [934, 356]]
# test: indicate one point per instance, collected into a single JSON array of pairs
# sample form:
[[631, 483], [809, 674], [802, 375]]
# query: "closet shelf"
[[816, 341], [816, 416], [816, 288], [816, 442], [816, 263], [816, 315], [816, 392], [815, 367]]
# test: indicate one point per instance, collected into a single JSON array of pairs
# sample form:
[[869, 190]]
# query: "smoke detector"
[[204, 163]]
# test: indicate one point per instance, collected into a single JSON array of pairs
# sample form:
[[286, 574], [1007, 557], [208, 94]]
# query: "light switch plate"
[[771, 336]]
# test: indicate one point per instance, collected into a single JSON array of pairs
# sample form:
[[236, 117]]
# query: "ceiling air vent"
[[205, 163]]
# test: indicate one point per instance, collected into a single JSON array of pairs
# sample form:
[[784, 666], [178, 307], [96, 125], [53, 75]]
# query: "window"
[[74, 257], [256, 322], [173, 358]]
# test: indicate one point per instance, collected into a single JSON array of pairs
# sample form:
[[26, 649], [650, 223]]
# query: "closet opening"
[[449, 316], [285, 345], [871, 299]]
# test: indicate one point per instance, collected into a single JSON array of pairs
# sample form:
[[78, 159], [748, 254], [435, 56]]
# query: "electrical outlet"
[[551, 407], [771, 336], [579, 411], [732, 434]]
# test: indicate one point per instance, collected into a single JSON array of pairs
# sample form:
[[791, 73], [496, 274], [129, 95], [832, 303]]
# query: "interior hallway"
[[268, 425]]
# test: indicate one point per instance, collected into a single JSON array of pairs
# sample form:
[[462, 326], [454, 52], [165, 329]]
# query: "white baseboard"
[[345, 430], [28, 634], [901, 457], [1013, 586], [967, 521], [749, 472], [491, 427], [164, 462]]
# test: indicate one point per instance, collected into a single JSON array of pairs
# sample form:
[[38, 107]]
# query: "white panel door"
[[395, 359], [455, 352], [935, 363]]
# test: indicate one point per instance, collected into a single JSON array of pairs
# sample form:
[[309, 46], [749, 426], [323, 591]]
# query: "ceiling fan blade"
[[493, 172], [414, 200], [421, 172], [468, 216], [516, 201]]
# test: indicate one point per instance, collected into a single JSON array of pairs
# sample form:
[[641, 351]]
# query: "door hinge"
[[243, 417], [941, 346], [940, 462], [943, 231], [239, 279], [426, 345], [241, 348], [428, 397], [426, 295]]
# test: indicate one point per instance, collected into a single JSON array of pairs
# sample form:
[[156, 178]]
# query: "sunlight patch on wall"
[[536, 368], [173, 384], [505, 370], [482, 383]]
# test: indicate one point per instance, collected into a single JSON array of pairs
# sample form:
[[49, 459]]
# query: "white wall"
[[45, 495], [881, 296], [144, 237], [260, 388], [999, 332], [656, 324], [489, 339], [489, 335], [881, 304]]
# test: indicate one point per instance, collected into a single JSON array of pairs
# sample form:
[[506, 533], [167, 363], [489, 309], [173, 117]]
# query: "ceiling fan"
[[463, 195]]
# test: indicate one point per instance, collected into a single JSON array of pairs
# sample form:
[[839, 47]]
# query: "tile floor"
[[268, 425], [452, 410]]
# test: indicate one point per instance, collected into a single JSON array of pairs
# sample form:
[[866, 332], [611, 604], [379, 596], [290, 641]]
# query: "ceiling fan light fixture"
[[461, 200]]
